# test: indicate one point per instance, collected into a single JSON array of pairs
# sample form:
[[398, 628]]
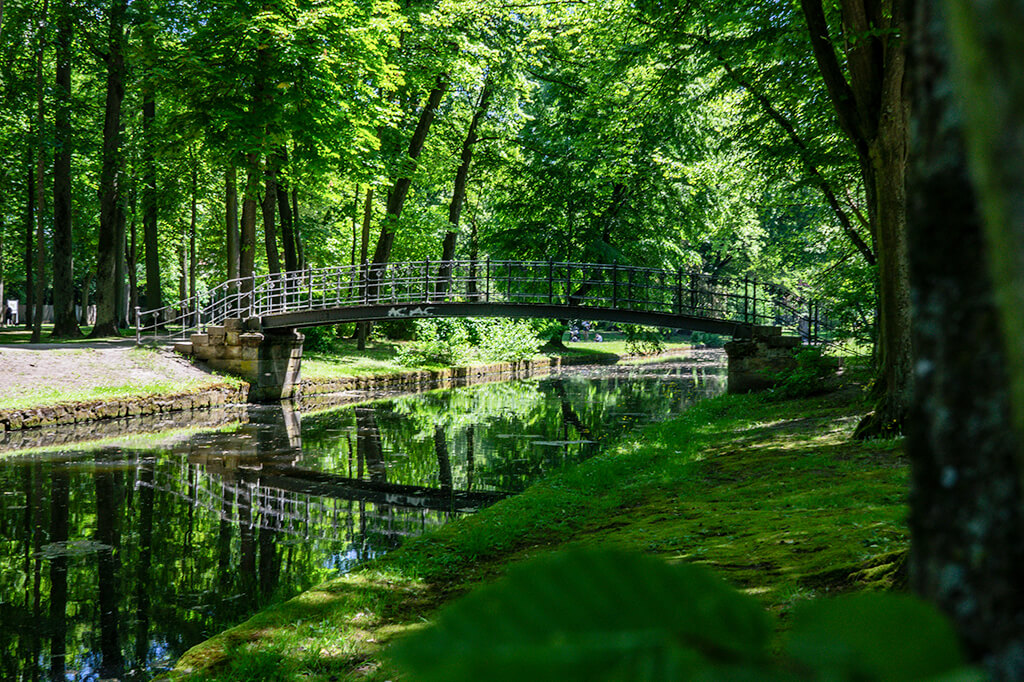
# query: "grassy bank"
[[773, 496], [379, 358]]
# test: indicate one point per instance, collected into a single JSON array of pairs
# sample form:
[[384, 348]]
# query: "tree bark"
[[40, 255], [300, 251], [231, 219], [967, 516], [192, 227], [363, 328], [65, 324], [30, 226], [986, 38], [284, 212], [247, 234], [150, 205], [398, 193], [459, 188], [110, 179], [268, 206]]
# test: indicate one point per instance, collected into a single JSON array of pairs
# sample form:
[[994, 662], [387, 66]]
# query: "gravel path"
[[28, 368]]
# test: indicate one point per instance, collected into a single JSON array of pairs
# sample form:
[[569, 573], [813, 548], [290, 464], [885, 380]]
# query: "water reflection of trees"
[[121, 561]]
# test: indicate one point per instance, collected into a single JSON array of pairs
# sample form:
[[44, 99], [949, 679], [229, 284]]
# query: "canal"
[[117, 556]]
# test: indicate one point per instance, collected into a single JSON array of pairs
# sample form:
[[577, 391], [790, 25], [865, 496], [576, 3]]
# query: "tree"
[[967, 508], [111, 231], [65, 323], [872, 110]]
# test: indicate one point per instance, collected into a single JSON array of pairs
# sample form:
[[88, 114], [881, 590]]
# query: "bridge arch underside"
[[373, 313]]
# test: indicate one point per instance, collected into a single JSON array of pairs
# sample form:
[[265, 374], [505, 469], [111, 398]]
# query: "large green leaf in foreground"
[[594, 615]]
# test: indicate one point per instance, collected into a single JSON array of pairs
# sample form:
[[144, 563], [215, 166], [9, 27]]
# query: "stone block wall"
[[755, 363], [268, 360]]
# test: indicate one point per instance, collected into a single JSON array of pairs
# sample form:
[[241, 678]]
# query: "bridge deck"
[[544, 289]]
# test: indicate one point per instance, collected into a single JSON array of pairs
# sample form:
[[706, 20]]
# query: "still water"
[[117, 556]]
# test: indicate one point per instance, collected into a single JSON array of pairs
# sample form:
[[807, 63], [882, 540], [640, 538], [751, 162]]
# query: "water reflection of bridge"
[[253, 479]]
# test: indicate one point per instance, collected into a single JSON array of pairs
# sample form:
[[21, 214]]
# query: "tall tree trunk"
[[967, 509], [30, 227], [355, 225], [872, 109], [65, 324], [150, 205], [231, 219], [268, 206], [131, 260], [986, 37], [462, 174], [363, 328], [40, 256], [398, 193], [120, 265], [109, 247], [247, 234], [84, 319], [3, 238], [284, 211], [192, 225], [300, 251], [183, 267], [459, 189]]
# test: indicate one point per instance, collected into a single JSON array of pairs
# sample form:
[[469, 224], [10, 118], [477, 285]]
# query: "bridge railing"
[[575, 286]]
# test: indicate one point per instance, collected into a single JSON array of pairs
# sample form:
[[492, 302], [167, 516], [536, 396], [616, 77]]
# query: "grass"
[[344, 360], [17, 334], [772, 495]]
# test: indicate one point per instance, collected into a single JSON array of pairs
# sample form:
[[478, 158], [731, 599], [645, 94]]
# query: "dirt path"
[[31, 367]]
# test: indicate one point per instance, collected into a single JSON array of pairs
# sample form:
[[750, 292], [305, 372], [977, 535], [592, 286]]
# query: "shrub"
[[812, 375], [642, 340], [437, 342], [507, 340], [318, 339]]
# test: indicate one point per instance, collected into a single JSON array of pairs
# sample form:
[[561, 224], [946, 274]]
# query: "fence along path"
[[492, 288]]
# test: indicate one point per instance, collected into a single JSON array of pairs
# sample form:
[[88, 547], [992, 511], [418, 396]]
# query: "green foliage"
[[459, 341], [814, 374], [507, 340], [643, 340], [319, 339], [706, 339], [438, 342], [609, 615]]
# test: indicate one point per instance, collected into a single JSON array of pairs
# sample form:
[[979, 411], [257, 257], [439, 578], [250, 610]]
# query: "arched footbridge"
[[489, 288], [278, 305]]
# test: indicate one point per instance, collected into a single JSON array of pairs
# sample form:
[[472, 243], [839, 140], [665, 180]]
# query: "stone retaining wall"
[[93, 410]]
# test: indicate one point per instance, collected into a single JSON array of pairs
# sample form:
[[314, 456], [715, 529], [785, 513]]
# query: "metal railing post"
[[138, 325], [487, 282], [615, 285], [551, 282], [426, 280]]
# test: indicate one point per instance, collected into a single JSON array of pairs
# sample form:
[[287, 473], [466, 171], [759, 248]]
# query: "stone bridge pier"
[[269, 359], [755, 362]]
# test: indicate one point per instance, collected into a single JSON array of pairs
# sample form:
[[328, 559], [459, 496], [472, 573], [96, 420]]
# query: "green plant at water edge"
[[643, 340], [437, 342], [319, 339], [507, 340], [609, 615], [814, 374]]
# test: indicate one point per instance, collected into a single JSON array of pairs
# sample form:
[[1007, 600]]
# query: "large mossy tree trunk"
[[868, 94], [966, 520]]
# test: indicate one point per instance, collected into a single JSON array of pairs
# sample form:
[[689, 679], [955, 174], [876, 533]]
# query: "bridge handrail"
[[569, 284]]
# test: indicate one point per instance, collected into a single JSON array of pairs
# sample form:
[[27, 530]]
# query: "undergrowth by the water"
[[772, 496]]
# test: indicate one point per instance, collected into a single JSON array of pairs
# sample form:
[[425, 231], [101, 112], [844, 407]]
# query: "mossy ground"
[[774, 496]]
